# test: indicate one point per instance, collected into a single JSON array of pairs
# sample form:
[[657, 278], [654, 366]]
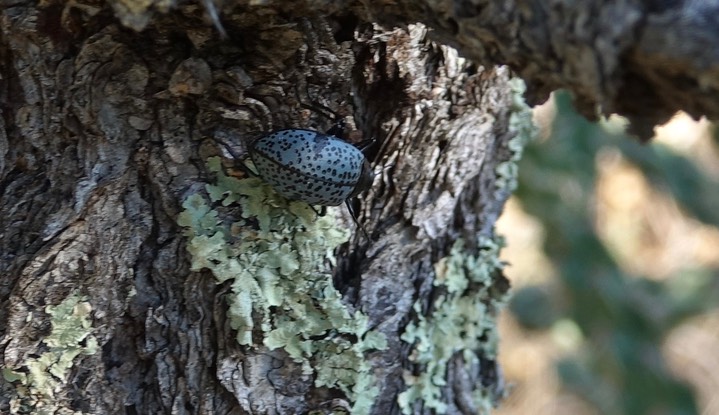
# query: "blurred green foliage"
[[623, 318]]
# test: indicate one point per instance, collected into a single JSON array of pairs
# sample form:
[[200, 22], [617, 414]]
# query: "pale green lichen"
[[278, 255], [463, 320], [522, 125], [463, 316], [71, 336]]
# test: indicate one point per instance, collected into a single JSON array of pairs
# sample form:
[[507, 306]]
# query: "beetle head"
[[365, 180]]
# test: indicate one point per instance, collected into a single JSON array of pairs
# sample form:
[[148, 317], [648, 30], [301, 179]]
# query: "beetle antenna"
[[339, 128], [365, 144], [314, 105], [237, 158], [322, 109]]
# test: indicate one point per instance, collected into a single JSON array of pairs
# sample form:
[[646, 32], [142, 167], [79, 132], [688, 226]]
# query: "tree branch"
[[643, 60]]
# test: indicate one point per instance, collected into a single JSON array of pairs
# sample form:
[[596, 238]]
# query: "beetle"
[[316, 168]]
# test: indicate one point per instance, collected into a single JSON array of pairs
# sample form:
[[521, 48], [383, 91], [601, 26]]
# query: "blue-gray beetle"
[[319, 169]]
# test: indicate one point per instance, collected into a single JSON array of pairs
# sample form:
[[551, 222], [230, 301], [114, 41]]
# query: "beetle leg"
[[321, 212], [354, 218], [246, 169], [240, 160]]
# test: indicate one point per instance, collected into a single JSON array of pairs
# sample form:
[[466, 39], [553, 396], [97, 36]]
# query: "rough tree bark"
[[142, 274]]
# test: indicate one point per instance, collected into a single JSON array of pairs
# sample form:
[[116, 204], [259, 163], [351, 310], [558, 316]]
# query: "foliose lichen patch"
[[463, 316], [70, 337], [462, 320], [522, 125], [278, 255]]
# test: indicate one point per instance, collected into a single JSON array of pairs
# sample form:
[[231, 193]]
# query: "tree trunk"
[[141, 273]]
